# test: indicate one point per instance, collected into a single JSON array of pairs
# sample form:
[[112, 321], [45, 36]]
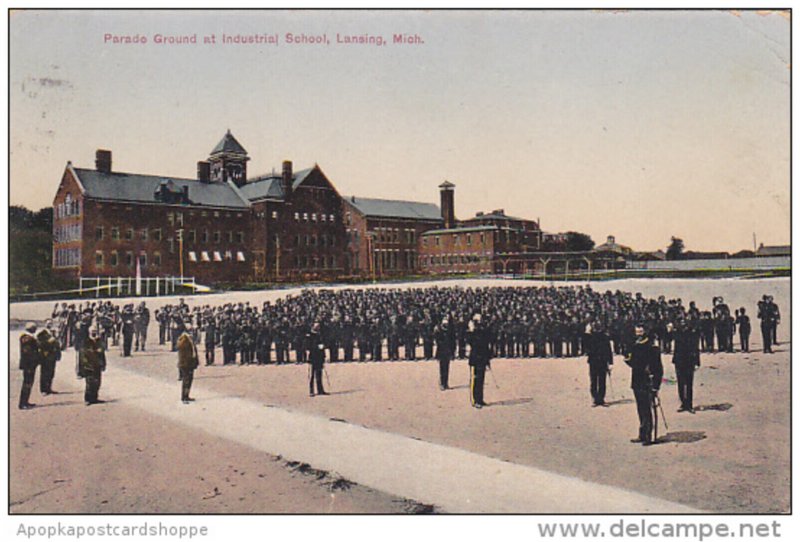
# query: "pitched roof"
[[133, 187], [496, 215], [774, 250], [469, 229], [228, 143], [395, 208], [269, 186]]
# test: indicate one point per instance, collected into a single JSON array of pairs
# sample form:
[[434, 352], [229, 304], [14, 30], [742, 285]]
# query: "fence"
[[730, 264], [131, 286]]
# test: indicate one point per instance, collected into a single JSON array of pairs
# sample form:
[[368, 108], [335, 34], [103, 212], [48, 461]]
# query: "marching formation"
[[391, 324]]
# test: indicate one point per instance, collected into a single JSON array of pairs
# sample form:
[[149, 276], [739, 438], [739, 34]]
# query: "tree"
[[578, 242], [675, 249], [30, 250]]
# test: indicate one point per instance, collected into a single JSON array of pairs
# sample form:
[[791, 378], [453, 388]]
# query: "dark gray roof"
[[228, 143], [494, 216], [395, 209], [269, 186], [466, 230], [141, 188]]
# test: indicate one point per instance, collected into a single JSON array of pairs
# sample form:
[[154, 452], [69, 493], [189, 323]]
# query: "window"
[[143, 259], [98, 233], [204, 236], [297, 240], [114, 259], [192, 238], [217, 256], [157, 234], [469, 239], [436, 241], [297, 216], [322, 217], [274, 215], [179, 219], [216, 214], [171, 219], [98, 258], [192, 256], [240, 256], [217, 236], [240, 237], [308, 240], [115, 234], [330, 218], [171, 243], [129, 259], [348, 219], [333, 261], [230, 237], [323, 240], [204, 257], [143, 234], [129, 234], [228, 255], [156, 259]]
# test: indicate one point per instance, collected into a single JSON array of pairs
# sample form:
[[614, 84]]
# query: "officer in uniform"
[[141, 322], [765, 314], [600, 359], [29, 358], [479, 359], [127, 330], [644, 360], [445, 347], [743, 323], [686, 359], [50, 351], [187, 362], [92, 363], [316, 359]]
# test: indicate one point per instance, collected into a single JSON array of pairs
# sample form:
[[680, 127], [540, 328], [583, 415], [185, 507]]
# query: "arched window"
[[68, 204]]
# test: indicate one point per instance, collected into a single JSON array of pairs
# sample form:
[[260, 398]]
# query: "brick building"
[[383, 235]]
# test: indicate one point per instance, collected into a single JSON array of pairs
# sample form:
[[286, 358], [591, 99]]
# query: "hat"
[[30, 327]]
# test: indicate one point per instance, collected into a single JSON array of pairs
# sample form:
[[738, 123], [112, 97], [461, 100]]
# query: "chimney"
[[448, 204], [286, 178], [102, 161], [203, 171]]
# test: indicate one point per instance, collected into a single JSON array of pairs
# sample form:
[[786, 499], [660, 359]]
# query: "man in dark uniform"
[[479, 359], [766, 317], [686, 359], [600, 359], [141, 322], [50, 351], [29, 358], [92, 363], [776, 318], [743, 323], [187, 362], [445, 347], [127, 330], [644, 358], [316, 358]]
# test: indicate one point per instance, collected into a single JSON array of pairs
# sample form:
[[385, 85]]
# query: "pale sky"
[[641, 124]]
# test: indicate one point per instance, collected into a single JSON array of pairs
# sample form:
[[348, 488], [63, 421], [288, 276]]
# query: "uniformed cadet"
[[445, 347], [479, 359], [29, 358], [127, 330], [600, 359], [50, 351], [187, 362], [92, 363], [644, 360], [743, 324], [766, 315], [316, 360], [686, 359], [141, 323]]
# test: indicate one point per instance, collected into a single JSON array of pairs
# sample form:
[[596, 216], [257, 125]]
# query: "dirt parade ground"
[[387, 440]]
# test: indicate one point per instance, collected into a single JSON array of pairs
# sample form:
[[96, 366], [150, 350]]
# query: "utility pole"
[[180, 250]]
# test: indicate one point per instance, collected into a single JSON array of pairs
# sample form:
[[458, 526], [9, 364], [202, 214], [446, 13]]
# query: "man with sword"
[[644, 359]]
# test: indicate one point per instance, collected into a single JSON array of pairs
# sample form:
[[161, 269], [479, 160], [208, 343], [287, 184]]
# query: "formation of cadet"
[[110, 320]]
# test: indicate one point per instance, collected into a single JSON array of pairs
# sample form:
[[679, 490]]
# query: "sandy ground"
[[733, 455]]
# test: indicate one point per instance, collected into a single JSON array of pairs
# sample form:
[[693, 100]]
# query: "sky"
[[642, 124]]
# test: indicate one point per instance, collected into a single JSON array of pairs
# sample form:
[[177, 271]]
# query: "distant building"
[[774, 250]]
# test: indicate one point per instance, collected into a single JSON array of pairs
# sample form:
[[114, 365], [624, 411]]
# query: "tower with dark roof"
[[228, 161]]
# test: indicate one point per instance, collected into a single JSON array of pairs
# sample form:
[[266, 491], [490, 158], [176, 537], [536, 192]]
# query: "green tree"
[[577, 242], [675, 249]]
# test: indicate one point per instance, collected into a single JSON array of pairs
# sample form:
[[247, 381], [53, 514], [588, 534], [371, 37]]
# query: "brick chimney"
[[102, 160], [286, 178], [447, 193], [203, 171]]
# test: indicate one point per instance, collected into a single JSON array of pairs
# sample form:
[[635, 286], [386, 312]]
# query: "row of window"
[[468, 238], [392, 235], [305, 217], [67, 233], [458, 259], [384, 260], [313, 240], [69, 207], [128, 258], [215, 255], [67, 257], [315, 262], [190, 235], [176, 218]]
